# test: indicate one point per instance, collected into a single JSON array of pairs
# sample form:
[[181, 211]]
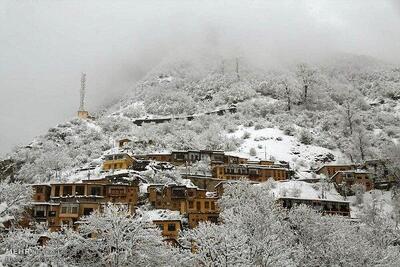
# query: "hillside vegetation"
[[349, 104]]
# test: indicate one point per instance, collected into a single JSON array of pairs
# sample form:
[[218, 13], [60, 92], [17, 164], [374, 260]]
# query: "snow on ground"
[[276, 145], [302, 190], [383, 198]]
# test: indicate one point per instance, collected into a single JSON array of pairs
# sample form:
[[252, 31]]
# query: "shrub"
[[305, 137]]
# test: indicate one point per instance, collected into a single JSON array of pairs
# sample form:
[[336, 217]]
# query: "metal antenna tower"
[[83, 87]]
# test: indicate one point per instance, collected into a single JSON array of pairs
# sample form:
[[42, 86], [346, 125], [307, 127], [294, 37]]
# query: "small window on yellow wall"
[[171, 227]]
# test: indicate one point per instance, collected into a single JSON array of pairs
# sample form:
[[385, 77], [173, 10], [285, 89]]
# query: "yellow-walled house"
[[169, 222], [65, 203], [253, 172], [117, 162]]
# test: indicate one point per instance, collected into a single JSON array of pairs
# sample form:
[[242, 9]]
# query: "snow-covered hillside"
[[272, 143], [272, 118]]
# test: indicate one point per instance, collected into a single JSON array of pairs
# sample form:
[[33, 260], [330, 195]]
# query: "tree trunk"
[[361, 146], [305, 93], [289, 104]]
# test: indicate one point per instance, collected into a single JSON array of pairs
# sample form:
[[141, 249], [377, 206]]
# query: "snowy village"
[[204, 133]]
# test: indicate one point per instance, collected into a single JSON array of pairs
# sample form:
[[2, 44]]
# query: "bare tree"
[[307, 77], [287, 92], [349, 114], [361, 142]]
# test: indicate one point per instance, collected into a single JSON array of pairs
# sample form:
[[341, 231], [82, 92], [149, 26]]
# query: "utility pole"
[[265, 152]]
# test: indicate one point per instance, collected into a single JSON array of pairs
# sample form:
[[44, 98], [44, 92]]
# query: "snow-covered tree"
[[359, 190], [202, 166], [22, 247], [253, 233], [335, 241], [14, 198], [112, 237], [307, 77]]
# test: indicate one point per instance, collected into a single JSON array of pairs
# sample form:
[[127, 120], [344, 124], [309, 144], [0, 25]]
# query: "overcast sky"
[[45, 45]]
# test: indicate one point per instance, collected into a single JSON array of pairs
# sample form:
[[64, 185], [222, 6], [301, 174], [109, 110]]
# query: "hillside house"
[[343, 180], [253, 172], [192, 156], [325, 206], [331, 169], [169, 222], [186, 200], [188, 157], [163, 157], [65, 203], [118, 162], [124, 142], [41, 192], [207, 183]]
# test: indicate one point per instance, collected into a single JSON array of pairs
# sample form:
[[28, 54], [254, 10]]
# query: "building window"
[[212, 219], [161, 227], [57, 191], [171, 227], [39, 190], [198, 205], [87, 211], [74, 209], [52, 214], [69, 209], [40, 211], [117, 191], [79, 190], [207, 204], [67, 190], [190, 204], [95, 191]]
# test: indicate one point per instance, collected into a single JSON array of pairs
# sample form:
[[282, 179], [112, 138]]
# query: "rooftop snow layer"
[[304, 190], [161, 215]]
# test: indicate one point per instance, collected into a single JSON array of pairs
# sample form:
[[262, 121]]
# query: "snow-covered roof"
[[211, 194], [334, 165], [237, 154], [188, 183], [45, 203], [161, 215], [161, 152], [302, 190], [357, 171], [230, 182]]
